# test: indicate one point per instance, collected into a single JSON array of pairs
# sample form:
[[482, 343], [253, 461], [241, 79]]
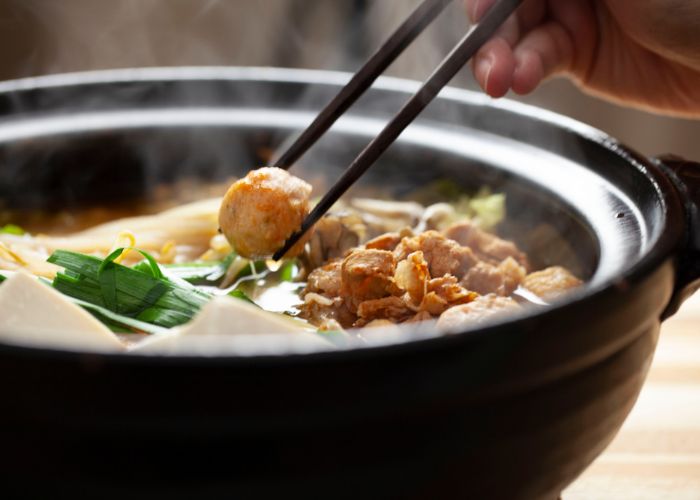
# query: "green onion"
[[116, 322], [163, 316], [192, 272], [149, 265], [126, 291], [12, 229], [206, 273], [107, 277], [254, 268], [240, 294], [2, 278], [289, 271], [220, 270], [119, 322]]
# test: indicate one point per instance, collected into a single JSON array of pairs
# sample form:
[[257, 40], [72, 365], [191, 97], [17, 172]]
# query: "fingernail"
[[483, 69]]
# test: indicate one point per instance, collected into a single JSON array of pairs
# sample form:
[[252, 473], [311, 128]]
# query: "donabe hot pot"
[[514, 410]]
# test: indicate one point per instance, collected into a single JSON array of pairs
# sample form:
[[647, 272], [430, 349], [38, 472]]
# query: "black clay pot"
[[515, 410]]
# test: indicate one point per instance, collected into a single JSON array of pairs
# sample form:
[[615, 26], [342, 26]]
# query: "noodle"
[[177, 235]]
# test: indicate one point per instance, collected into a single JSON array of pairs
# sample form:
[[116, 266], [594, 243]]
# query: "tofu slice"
[[232, 327], [33, 314]]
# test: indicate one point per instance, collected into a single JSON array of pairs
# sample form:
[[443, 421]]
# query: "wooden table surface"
[[656, 455]]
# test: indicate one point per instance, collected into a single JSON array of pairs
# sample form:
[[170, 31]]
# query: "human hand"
[[640, 52]]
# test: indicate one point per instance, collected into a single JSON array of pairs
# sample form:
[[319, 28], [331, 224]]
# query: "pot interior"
[[120, 138]]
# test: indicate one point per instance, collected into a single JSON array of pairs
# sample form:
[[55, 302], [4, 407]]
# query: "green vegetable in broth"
[[127, 291], [12, 229], [241, 295], [289, 271], [197, 264], [192, 272], [118, 322], [148, 265], [219, 271]]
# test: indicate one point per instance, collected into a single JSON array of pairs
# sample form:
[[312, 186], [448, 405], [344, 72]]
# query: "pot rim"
[[421, 337]]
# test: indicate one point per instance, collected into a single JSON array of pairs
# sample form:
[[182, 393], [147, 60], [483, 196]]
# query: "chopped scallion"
[[239, 294], [119, 322], [126, 291], [107, 277], [220, 270], [192, 272], [206, 273], [254, 269], [289, 271], [149, 265]]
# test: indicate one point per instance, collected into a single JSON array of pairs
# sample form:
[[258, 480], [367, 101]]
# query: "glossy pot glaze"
[[514, 410]]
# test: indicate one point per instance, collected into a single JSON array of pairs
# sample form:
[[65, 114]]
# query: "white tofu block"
[[33, 314], [232, 327]]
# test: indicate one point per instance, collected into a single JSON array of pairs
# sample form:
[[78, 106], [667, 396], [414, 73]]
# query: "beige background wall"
[[49, 36]]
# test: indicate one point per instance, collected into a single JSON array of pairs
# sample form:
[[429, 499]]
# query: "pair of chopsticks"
[[425, 14]]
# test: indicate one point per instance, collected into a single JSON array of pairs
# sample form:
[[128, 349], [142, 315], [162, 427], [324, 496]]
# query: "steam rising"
[[77, 35], [74, 35]]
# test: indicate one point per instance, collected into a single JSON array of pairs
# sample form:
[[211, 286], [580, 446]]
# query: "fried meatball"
[[262, 210]]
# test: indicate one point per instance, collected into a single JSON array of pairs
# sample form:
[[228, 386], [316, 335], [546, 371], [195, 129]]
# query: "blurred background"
[[50, 36]]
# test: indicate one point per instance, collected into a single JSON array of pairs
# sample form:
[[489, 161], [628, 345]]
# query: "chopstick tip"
[[291, 241]]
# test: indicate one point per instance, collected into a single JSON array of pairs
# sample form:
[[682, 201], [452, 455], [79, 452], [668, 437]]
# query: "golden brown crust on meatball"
[[262, 210]]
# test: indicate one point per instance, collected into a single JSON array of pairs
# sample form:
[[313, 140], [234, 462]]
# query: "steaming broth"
[[369, 263], [65, 221]]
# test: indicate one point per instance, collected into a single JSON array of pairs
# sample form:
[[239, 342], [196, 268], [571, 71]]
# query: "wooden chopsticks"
[[424, 14], [448, 68]]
